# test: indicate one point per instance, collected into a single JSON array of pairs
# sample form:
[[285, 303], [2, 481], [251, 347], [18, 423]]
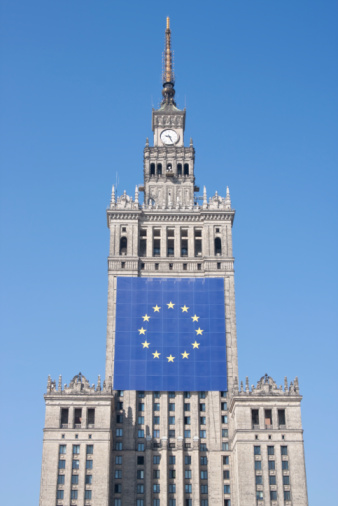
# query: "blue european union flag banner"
[[170, 334]]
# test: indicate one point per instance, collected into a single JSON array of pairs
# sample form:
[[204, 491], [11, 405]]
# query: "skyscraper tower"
[[170, 425]]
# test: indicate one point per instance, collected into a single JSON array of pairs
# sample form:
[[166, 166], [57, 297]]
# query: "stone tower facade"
[[107, 447]]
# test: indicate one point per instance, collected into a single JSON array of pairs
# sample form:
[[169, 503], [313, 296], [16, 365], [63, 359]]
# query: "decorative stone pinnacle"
[[112, 200]]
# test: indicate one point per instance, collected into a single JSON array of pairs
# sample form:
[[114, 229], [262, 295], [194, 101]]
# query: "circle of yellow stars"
[[171, 305]]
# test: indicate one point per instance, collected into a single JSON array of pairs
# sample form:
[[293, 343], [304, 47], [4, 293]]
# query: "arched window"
[[218, 246], [186, 169], [123, 246], [152, 169], [159, 169], [179, 169]]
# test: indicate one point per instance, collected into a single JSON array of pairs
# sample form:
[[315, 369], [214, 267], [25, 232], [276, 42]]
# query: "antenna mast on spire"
[[168, 76]]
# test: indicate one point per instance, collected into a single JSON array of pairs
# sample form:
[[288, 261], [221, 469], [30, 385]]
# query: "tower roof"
[[168, 76]]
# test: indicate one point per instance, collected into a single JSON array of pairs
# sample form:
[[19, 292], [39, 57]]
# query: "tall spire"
[[168, 76]]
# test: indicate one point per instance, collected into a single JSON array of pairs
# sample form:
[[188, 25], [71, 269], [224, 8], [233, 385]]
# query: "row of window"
[[181, 169], [75, 479], [171, 502], [77, 421], [141, 446], [273, 495], [171, 488], [73, 494], [273, 479], [75, 464], [76, 449], [271, 450], [267, 418], [170, 247]]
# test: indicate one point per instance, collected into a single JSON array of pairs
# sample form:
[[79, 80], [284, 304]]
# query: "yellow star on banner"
[[156, 354], [185, 355], [145, 344], [170, 305], [142, 331], [195, 318], [171, 358], [184, 309], [156, 309], [195, 344], [146, 318], [199, 332]]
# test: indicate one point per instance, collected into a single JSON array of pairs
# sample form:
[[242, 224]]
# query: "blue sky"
[[78, 81]]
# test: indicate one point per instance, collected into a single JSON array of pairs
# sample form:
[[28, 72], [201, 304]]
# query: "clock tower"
[[168, 165]]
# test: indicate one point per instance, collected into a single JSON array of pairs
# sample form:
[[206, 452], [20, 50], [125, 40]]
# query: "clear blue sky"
[[78, 80]]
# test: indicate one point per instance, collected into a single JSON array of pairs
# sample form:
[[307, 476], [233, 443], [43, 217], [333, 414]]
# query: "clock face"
[[169, 137]]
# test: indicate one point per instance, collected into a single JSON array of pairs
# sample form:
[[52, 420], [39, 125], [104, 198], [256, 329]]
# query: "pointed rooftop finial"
[[227, 199], [112, 199], [168, 77]]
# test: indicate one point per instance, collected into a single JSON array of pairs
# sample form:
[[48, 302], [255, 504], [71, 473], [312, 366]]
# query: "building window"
[[204, 502], [187, 460], [225, 446], [172, 474], [259, 480], [75, 479], [89, 464], [140, 394], [281, 417], [140, 488], [159, 169], [259, 495], [140, 460], [204, 489], [91, 417], [172, 502], [156, 420], [140, 433], [171, 406], [255, 417], [286, 480], [188, 502], [187, 433], [271, 465], [156, 395], [117, 488], [203, 447], [61, 479], [156, 433], [187, 488], [171, 433], [88, 494], [273, 495], [118, 445], [140, 447], [76, 464], [117, 502], [119, 406], [59, 494], [123, 245], [187, 474], [218, 246], [272, 479], [284, 450], [187, 395], [171, 420], [64, 417], [226, 475], [186, 169], [140, 420], [225, 432], [257, 450], [227, 489], [140, 406], [203, 420], [187, 406], [285, 465], [156, 502], [287, 495], [156, 488], [268, 418], [258, 465], [118, 474], [224, 406], [224, 418], [118, 460], [152, 169], [62, 449], [187, 420], [89, 478], [140, 474], [203, 434], [202, 407], [172, 488], [62, 464], [119, 432], [271, 450], [156, 406], [204, 475], [204, 461], [73, 494], [156, 474]]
